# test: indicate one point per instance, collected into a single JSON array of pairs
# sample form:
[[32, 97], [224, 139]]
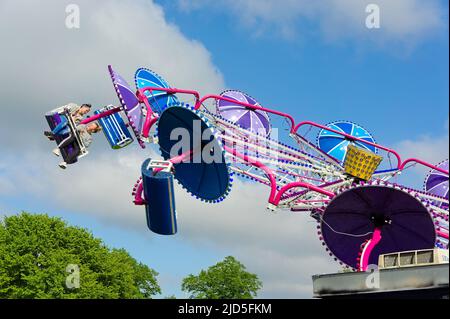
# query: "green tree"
[[227, 279], [35, 251]]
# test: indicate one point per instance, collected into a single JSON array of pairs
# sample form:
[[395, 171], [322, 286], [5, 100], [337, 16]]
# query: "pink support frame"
[[151, 118], [367, 250], [138, 200], [275, 196], [101, 115]]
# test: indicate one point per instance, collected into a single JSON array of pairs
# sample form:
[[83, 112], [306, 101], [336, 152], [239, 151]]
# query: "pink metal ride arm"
[[138, 200], [101, 115], [275, 196], [269, 173], [418, 161], [367, 251], [442, 234], [401, 165], [253, 107], [289, 186], [294, 128], [348, 136], [150, 119]]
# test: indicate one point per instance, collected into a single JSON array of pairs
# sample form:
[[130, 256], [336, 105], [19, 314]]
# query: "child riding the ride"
[[76, 112], [85, 132]]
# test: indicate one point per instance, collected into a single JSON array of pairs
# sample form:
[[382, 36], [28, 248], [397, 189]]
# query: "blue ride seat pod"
[[160, 198], [115, 129]]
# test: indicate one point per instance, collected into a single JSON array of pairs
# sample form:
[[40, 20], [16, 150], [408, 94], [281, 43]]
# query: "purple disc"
[[352, 216], [256, 121], [129, 102], [436, 182]]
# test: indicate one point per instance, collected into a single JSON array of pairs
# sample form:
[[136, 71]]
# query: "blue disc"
[[158, 100], [206, 175], [336, 145]]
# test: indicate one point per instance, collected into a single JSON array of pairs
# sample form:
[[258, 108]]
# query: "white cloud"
[[433, 149], [278, 247], [6, 185], [402, 21], [46, 65]]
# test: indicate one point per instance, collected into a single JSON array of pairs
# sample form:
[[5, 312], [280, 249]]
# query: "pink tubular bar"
[[308, 186], [348, 136], [400, 166], [101, 115], [418, 161], [138, 200], [367, 251], [275, 197], [151, 119], [442, 234], [294, 128], [268, 171], [253, 107], [170, 91]]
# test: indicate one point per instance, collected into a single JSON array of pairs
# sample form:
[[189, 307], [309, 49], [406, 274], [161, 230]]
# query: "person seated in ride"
[[85, 132], [76, 112]]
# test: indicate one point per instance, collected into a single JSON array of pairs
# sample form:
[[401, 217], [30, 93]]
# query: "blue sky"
[[384, 88], [310, 61]]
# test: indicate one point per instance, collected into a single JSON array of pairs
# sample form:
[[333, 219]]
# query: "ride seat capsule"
[[72, 152], [115, 129], [160, 199]]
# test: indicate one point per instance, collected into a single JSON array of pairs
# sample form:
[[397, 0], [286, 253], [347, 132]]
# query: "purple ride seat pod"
[[70, 152], [160, 200], [436, 183]]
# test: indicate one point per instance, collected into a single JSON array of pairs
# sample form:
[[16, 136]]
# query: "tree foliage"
[[35, 251], [227, 279]]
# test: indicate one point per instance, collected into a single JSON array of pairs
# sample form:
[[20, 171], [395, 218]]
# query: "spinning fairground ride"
[[344, 179]]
